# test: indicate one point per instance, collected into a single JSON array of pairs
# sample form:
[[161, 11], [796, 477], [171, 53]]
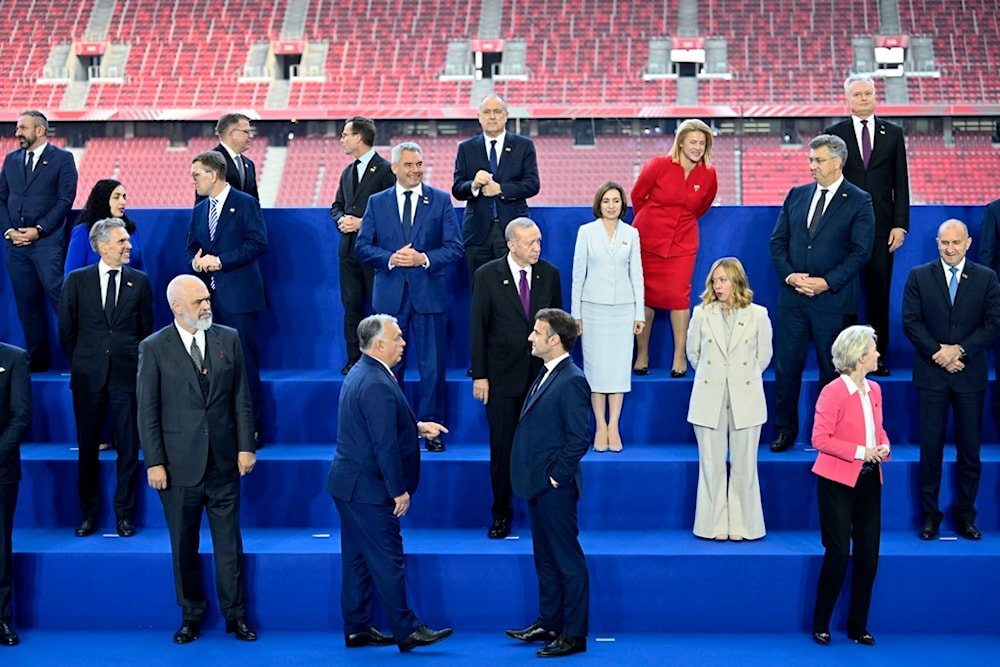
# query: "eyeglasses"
[[819, 161], [344, 135], [196, 174], [252, 132]]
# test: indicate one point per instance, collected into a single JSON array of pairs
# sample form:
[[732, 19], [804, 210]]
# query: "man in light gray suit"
[[196, 428]]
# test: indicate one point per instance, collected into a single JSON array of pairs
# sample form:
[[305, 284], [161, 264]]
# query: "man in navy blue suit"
[[409, 234], [225, 239], [375, 471], [495, 174], [552, 437], [37, 188], [822, 240], [951, 315], [235, 134], [15, 418]]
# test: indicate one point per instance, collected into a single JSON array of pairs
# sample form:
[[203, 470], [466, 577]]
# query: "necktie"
[[522, 289], [493, 170], [354, 174], [866, 143], [818, 213], [407, 215], [109, 296], [538, 382], [953, 284], [199, 366], [242, 171], [29, 166], [213, 224]]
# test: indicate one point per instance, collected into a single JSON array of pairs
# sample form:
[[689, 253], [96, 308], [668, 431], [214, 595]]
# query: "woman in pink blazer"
[[848, 434]]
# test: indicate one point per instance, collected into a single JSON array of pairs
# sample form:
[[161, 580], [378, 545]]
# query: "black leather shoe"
[[370, 637], [782, 442], [929, 531], [423, 636], [239, 628], [499, 530], [7, 635], [187, 633], [968, 530], [434, 444], [86, 527], [641, 370], [864, 638], [881, 371], [533, 633], [822, 638], [563, 645], [125, 527]]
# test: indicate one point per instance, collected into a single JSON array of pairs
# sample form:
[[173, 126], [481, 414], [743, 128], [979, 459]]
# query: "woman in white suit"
[[729, 346], [608, 305]]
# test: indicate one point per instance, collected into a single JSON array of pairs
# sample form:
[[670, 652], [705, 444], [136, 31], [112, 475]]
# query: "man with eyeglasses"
[[822, 240], [367, 174], [224, 241], [235, 134]]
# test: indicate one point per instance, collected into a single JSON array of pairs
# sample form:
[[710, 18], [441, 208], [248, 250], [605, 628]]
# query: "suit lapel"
[[182, 358], [213, 350], [717, 325], [839, 197], [126, 292], [740, 327], [92, 288], [40, 163], [530, 401], [511, 290]]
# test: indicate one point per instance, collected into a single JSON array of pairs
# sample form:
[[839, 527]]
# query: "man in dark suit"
[[989, 256], [368, 174], [876, 163], [196, 428], [37, 188], [822, 240], [552, 437], [495, 174], [224, 241], [375, 471], [235, 134], [106, 309], [951, 314], [410, 235], [502, 314], [15, 418]]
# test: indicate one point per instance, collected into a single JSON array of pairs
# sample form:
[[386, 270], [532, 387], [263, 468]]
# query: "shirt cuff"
[[860, 454]]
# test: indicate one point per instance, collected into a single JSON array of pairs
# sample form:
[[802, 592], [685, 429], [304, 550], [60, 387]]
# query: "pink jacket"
[[839, 428]]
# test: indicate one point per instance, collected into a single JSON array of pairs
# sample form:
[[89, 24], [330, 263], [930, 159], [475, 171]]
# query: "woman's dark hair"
[[98, 206]]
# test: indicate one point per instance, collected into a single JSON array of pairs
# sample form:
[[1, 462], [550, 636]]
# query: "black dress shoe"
[[423, 636], [882, 371], [563, 645], [239, 628], [434, 444], [968, 530], [782, 442], [86, 527], [678, 374], [7, 635], [187, 633], [864, 638], [929, 531], [533, 633], [642, 370], [125, 527], [822, 638], [370, 637], [499, 530]]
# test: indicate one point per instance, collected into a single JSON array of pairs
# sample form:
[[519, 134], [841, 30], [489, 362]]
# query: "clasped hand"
[[408, 257]]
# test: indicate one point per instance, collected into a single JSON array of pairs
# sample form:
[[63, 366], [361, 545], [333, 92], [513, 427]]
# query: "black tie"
[[109, 296], [407, 215], [29, 166], [354, 174], [493, 169], [818, 213], [538, 382]]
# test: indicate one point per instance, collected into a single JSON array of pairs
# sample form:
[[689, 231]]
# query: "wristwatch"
[[40, 230]]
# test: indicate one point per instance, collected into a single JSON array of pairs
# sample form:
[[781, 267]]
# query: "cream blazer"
[[738, 366]]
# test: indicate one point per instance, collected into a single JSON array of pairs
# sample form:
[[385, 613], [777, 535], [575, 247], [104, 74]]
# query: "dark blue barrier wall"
[[302, 328]]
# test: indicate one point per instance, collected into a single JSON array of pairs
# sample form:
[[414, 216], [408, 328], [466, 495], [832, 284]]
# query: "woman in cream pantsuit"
[[729, 346], [608, 306]]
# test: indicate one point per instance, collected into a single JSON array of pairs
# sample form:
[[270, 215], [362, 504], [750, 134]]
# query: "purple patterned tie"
[[866, 143], [522, 289]]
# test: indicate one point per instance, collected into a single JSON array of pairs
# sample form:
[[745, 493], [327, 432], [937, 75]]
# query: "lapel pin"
[[506, 282], [426, 200], [371, 169], [844, 195], [222, 355], [697, 187], [506, 149], [232, 210], [965, 276], [129, 283]]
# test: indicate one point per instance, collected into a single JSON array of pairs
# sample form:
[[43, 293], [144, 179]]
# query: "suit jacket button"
[[710, 340], [748, 382], [744, 363], [709, 362]]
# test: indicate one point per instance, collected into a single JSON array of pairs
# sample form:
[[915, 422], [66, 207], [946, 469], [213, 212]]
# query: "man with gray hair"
[[409, 234], [822, 240], [506, 294], [876, 163], [374, 473], [105, 311]]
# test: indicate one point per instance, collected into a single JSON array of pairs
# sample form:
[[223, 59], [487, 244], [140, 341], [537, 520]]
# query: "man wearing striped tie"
[[224, 241]]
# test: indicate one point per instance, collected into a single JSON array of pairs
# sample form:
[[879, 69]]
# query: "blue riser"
[[666, 583], [644, 488]]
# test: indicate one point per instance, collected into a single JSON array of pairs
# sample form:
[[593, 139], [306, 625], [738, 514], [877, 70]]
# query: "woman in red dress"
[[669, 196]]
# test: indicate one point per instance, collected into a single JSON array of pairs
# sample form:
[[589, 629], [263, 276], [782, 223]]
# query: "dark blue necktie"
[[493, 170], [407, 215], [110, 296]]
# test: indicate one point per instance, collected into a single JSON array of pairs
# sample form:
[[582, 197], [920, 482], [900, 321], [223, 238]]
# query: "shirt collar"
[[552, 363], [186, 338], [851, 387], [833, 187], [104, 268], [947, 269], [37, 150], [500, 139], [221, 198], [418, 191], [232, 154], [366, 158], [515, 270]]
